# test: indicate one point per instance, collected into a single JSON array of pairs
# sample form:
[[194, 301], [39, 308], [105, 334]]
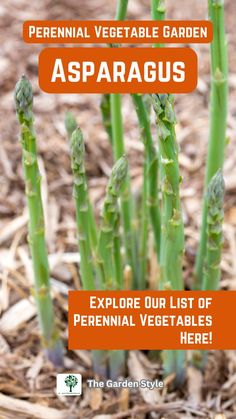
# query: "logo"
[[69, 384]]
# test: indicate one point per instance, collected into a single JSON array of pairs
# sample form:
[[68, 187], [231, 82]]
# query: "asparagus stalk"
[[143, 247], [119, 276], [173, 360], [215, 216], [110, 215], [118, 151], [158, 9], [172, 247], [218, 118], [158, 12], [172, 223], [211, 269], [126, 200], [152, 168], [71, 126], [100, 358], [121, 9], [70, 123], [105, 107], [109, 238], [82, 208], [50, 337]]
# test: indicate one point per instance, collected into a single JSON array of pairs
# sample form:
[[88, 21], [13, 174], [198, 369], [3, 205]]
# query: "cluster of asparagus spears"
[[103, 264]]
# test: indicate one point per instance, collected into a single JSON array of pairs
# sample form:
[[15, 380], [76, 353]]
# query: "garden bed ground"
[[27, 383]]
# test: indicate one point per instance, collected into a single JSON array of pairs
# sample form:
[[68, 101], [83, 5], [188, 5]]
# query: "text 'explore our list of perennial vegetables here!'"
[[150, 320]]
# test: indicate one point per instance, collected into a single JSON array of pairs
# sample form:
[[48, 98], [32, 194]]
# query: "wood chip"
[[12, 227], [32, 410], [138, 372], [4, 347], [195, 381], [96, 396], [103, 417], [17, 315], [124, 399]]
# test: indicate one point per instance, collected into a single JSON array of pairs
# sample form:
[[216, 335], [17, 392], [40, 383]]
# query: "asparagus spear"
[[100, 358], [105, 107], [218, 117], [172, 223], [50, 337], [71, 126], [70, 123], [82, 208], [118, 151], [158, 11], [172, 246], [143, 246], [110, 214], [121, 9], [215, 202], [211, 269], [109, 238], [152, 167], [118, 265]]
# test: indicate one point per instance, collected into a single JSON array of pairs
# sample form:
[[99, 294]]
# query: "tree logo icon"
[[69, 384], [71, 381]]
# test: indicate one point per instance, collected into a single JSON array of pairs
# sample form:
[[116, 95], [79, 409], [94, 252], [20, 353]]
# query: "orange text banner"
[[118, 70], [132, 32], [151, 320]]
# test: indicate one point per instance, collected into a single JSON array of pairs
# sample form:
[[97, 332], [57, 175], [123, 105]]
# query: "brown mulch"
[[27, 382]]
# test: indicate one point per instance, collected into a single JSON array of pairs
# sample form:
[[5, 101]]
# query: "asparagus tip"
[[77, 143], [118, 174], [23, 98], [216, 190], [70, 123]]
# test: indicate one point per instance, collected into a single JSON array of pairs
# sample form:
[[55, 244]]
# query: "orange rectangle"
[[107, 31], [151, 320], [117, 70]]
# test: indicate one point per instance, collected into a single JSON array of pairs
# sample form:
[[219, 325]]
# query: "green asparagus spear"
[[215, 216], [218, 117], [108, 255], [158, 11], [109, 218], [152, 168], [144, 227], [172, 245], [82, 208], [50, 338], [118, 151], [100, 358], [71, 126], [118, 264], [172, 223], [70, 123], [121, 9], [105, 107]]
